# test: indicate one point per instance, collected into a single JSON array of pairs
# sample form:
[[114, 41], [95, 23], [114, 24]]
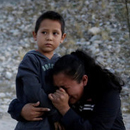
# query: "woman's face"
[[72, 87]]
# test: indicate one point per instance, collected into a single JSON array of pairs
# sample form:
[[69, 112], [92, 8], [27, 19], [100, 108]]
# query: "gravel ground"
[[7, 123]]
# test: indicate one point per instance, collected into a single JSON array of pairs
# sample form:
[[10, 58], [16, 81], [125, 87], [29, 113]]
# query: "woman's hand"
[[58, 126], [31, 111], [60, 100]]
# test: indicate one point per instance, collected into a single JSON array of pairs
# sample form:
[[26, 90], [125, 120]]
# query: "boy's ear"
[[85, 80], [63, 37], [34, 36]]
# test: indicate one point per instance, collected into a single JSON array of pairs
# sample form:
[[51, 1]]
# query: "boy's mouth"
[[48, 44]]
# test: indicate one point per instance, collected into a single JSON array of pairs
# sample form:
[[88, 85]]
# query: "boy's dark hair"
[[53, 16]]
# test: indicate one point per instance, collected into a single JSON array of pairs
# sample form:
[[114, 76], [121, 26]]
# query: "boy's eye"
[[55, 33], [44, 32]]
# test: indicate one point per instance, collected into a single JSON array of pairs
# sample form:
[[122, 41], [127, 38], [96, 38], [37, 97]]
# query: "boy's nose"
[[49, 37]]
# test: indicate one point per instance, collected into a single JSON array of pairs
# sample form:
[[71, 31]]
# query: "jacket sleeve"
[[103, 117], [29, 88], [14, 110], [72, 121]]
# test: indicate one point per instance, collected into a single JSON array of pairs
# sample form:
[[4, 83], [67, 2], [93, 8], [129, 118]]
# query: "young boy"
[[33, 82]]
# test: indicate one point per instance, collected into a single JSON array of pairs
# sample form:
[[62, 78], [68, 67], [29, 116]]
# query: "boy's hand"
[[31, 111]]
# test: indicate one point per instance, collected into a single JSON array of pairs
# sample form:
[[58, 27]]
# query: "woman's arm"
[[104, 113], [71, 120]]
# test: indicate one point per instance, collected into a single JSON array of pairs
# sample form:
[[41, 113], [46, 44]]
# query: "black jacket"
[[92, 114]]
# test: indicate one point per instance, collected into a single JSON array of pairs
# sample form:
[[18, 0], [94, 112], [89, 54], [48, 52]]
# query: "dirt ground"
[[7, 123]]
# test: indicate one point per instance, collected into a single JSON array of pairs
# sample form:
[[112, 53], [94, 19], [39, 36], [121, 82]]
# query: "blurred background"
[[100, 27]]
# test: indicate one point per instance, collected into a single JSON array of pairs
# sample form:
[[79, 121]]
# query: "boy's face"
[[48, 37]]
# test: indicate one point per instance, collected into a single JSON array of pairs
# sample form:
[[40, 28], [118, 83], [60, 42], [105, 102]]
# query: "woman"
[[87, 95]]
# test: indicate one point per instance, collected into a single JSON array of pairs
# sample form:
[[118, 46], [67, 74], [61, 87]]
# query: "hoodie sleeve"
[[29, 88], [15, 108]]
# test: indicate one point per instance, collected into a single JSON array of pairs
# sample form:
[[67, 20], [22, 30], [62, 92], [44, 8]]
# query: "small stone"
[[2, 95], [8, 75], [94, 30]]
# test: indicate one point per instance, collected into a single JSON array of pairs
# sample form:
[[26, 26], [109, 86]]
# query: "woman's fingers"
[[54, 97], [62, 90], [58, 126], [51, 96], [58, 95]]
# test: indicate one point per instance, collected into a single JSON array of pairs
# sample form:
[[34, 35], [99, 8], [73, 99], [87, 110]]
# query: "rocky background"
[[101, 27]]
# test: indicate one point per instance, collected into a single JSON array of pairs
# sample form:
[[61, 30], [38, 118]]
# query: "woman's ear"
[[34, 36], [85, 80]]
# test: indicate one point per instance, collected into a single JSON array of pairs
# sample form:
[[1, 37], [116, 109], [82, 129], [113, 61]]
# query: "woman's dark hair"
[[71, 66], [79, 63], [52, 15]]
